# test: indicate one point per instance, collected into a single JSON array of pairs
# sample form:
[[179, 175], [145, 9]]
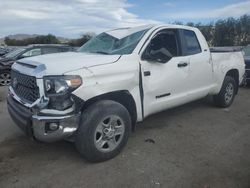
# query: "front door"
[[165, 72]]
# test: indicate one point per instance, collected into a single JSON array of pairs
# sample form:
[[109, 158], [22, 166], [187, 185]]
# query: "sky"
[[72, 18]]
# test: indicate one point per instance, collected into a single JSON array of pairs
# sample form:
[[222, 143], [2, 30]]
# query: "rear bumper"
[[38, 126]]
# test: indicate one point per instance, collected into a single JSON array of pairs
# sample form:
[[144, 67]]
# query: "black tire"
[[5, 77], [90, 120], [221, 99]]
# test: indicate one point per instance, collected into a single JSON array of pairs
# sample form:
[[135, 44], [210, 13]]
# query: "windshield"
[[14, 53], [107, 44], [247, 51]]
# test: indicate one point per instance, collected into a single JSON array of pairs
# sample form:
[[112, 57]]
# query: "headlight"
[[61, 85]]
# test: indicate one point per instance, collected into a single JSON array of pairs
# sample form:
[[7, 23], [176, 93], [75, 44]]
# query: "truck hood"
[[60, 63]]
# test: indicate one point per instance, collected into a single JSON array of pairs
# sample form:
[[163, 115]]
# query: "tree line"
[[224, 32], [47, 39], [79, 42]]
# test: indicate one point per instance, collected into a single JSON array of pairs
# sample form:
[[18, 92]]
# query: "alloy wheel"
[[5, 79], [109, 133]]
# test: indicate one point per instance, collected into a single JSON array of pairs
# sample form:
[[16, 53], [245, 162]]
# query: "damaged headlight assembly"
[[59, 88]]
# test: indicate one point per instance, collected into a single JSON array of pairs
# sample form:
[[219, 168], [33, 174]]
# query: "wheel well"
[[234, 73], [123, 97]]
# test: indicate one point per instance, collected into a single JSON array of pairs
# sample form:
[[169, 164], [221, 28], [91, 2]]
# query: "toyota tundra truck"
[[95, 96]]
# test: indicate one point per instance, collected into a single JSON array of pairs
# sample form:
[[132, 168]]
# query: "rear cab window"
[[190, 43]]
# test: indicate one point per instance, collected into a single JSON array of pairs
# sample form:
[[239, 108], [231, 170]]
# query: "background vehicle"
[[95, 96], [3, 51], [247, 62], [32, 50]]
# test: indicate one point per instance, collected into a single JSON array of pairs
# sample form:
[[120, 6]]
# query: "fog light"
[[53, 126]]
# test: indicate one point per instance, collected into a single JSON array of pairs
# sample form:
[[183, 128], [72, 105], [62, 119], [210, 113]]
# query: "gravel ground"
[[196, 145]]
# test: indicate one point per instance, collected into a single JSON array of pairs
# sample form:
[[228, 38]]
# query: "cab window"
[[163, 46], [33, 52], [191, 44]]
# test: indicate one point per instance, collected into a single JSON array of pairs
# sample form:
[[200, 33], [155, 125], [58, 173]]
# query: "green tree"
[[225, 32], [79, 42], [48, 39], [243, 30]]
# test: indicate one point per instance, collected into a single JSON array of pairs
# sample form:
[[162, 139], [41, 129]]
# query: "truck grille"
[[24, 86]]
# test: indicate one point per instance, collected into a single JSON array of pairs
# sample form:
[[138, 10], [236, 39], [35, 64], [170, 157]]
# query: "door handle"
[[182, 64], [147, 73]]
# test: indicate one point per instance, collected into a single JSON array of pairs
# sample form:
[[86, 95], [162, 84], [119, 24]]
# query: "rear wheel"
[[103, 131], [227, 93], [5, 77]]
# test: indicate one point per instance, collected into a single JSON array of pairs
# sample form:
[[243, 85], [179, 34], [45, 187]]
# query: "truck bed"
[[225, 49]]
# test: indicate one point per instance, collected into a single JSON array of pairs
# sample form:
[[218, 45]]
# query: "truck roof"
[[120, 33], [48, 45], [123, 32]]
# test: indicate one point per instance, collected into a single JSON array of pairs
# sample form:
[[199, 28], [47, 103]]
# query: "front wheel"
[[227, 93], [104, 130]]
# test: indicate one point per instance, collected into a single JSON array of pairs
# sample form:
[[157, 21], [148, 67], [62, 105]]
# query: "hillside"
[[26, 36]]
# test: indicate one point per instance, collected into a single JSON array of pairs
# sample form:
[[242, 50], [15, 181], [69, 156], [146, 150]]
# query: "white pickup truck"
[[96, 96]]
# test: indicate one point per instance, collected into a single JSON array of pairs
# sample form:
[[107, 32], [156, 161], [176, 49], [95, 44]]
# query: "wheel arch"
[[123, 97], [234, 73]]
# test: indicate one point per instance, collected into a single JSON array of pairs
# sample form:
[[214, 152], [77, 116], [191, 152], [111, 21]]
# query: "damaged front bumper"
[[45, 127], [63, 127]]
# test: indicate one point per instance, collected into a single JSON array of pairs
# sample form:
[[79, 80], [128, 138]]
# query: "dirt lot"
[[196, 145]]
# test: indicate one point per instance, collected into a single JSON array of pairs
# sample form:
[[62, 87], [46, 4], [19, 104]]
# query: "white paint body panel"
[[108, 73], [58, 64], [222, 63]]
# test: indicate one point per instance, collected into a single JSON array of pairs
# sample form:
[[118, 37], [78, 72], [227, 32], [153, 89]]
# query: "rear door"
[[200, 64]]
